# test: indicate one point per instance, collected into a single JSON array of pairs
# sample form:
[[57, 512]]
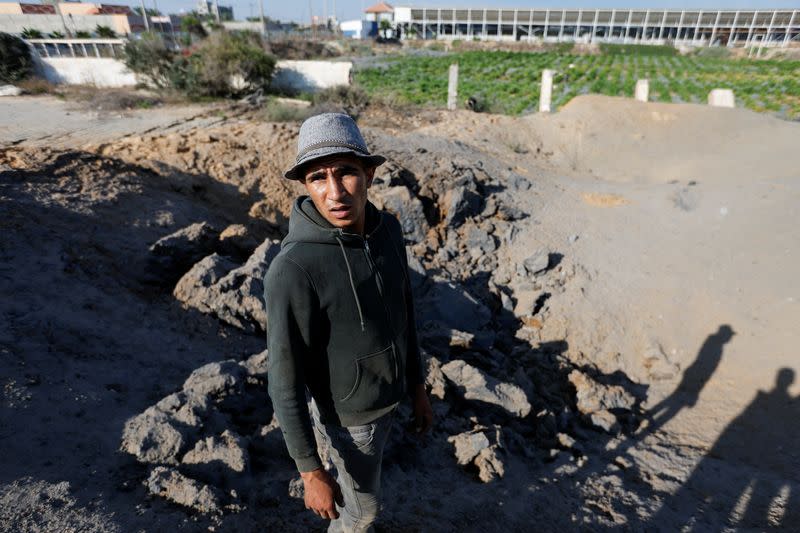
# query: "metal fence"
[[77, 47]]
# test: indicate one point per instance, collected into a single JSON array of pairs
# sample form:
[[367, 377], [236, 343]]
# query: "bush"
[[225, 64], [15, 59], [31, 33], [228, 64], [343, 98], [278, 111], [151, 58]]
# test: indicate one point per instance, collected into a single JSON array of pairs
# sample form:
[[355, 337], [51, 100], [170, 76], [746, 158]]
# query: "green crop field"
[[508, 82]]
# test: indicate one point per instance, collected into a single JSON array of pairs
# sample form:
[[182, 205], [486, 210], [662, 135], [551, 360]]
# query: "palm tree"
[[31, 33], [105, 32], [385, 26], [56, 35]]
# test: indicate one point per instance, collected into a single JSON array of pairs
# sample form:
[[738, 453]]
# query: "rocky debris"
[[490, 467], [173, 255], [592, 396], [219, 457], [219, 379], [204, 437], [455, 307], [596, 400], [536, 263], [658, 364], [461, 203], [477, 385], [407, 208], [468, 445], [233, 294], [237, 241], [170, 484], [434, 377], [153, 438]]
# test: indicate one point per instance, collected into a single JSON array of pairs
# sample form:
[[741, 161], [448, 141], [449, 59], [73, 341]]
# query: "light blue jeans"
[[356, 453]]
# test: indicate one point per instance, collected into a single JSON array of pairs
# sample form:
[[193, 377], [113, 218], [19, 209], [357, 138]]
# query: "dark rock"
[[173, 255], [537, 262], [237, 241], [234, 295], [453, 306], [460, 203], [476, 385], [592, 396], [407, 208]]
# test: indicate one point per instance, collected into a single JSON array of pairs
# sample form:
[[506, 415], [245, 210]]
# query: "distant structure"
[[73, 17], [210, 8], [706, 27], [369, 25]]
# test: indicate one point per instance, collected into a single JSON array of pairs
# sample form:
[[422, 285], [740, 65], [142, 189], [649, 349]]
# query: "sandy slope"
[[674, 220]]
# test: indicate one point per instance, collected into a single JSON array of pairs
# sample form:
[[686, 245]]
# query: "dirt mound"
[[251, 156], [659, 143]]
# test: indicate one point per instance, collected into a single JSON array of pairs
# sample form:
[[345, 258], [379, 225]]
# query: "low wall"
[[309, 76], [98, 71], [292, 76]]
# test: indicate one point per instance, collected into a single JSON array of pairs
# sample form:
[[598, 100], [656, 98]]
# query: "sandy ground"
[[52, 122], [679, 221]]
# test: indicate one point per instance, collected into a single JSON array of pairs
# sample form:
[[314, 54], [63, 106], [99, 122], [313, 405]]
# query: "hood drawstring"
[[352, 283]]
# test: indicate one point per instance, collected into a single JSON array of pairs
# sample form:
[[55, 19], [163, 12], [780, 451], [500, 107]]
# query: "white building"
[[699, 27]]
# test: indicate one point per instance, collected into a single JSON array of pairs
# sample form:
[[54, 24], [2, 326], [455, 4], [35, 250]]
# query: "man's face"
[[338, 187]]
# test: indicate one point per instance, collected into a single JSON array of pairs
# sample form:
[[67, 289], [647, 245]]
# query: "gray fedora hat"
[[329, 134]]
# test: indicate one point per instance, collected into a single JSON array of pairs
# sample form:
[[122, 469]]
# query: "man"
[[340, 325]]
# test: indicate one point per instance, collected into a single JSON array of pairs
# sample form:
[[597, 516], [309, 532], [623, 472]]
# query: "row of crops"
[[508, 82]]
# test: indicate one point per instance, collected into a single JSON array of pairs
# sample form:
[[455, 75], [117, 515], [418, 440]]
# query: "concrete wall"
[[299, 76], [98, 71], [309, 76]]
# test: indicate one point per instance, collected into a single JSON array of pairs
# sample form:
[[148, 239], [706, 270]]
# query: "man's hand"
[[423, 414], [321, 493]]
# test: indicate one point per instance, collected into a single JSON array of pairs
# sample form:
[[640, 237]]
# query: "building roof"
[[380, 7]]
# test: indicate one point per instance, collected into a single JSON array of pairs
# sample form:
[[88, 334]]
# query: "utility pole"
[[144, 16], [216, 11], [63, 22], [261, 12]]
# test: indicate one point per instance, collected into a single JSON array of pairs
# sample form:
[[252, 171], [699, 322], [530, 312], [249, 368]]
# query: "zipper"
[[379, 283]]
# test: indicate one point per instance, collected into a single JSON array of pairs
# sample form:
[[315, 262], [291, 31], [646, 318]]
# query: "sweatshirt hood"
[[306, 224]]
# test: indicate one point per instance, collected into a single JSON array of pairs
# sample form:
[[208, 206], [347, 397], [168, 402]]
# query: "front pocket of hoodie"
[[374, 382]]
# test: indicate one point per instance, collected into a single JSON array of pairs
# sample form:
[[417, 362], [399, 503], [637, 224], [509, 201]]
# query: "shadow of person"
[[694, 379], [751, 476]]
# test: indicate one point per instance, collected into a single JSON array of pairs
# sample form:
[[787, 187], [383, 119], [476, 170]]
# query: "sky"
[[298, 10]]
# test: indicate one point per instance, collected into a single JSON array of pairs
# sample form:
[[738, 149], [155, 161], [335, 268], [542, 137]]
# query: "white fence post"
[[721, 98], [452, 87], [546, 95], [642, 92]]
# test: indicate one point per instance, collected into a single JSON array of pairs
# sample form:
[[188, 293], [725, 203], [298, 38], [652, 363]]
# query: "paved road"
[[49, 121]]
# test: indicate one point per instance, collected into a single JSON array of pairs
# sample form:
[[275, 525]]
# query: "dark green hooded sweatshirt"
[[340, 324]]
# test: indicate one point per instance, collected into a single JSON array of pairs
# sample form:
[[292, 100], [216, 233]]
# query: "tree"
[[150, 12], [15, 59], [31, 33], [56, 35], [193, 25], [384, 27], [82, 35], [105, 32]]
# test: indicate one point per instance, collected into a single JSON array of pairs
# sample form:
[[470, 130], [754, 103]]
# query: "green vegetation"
[[15, 59], [105, 32], [509, 82], [32, 33], [223, 65]]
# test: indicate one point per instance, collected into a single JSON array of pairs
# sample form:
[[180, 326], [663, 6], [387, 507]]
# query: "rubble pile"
[[497, 389]]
